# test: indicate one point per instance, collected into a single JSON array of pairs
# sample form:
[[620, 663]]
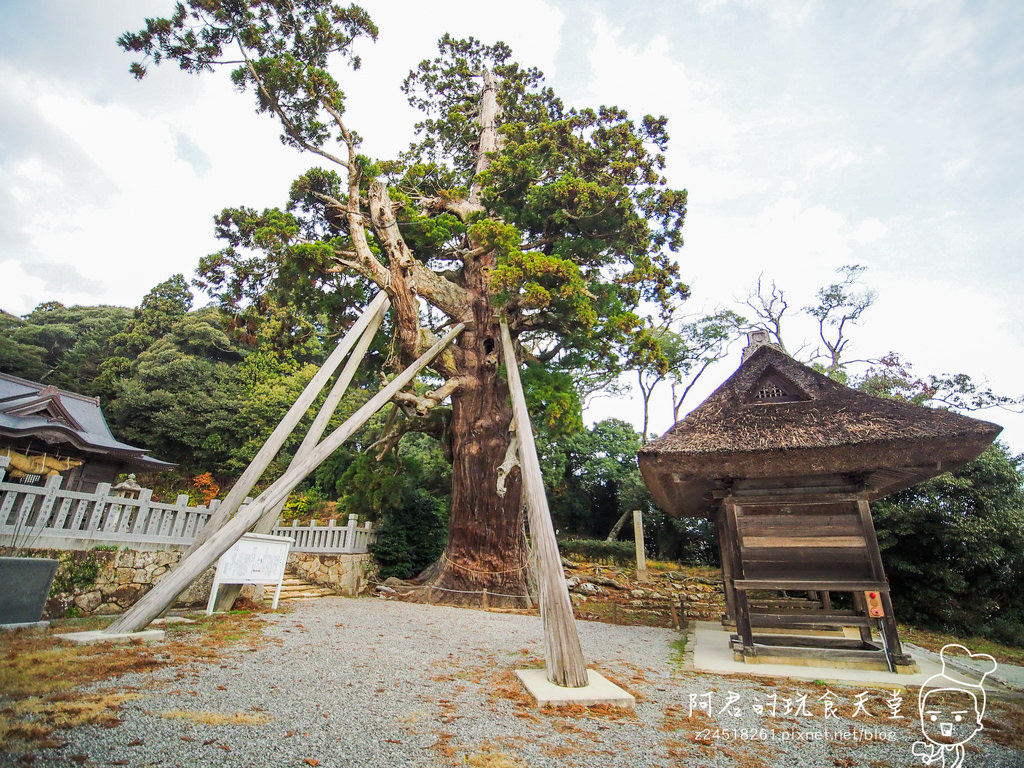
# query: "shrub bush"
[[304, 504], [411, 536], [600, 551]]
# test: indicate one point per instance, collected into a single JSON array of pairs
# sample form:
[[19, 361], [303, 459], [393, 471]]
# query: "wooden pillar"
[[730, 514], [728, 569], [229, 592], [888, 623], [564, 655]]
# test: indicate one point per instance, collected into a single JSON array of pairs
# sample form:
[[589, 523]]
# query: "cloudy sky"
[[809, 135]]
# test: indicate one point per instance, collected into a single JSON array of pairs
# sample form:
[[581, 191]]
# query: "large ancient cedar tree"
[[507, 203]]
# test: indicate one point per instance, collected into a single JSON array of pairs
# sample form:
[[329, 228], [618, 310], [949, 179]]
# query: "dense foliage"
[[62, 346], [410, 536], [953, 548], [179, 382]]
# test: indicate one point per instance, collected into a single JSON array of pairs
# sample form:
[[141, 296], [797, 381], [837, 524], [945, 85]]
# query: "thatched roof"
[[777, 418]]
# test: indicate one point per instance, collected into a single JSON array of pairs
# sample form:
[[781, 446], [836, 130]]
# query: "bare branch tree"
[[769, 305], [840, 304]]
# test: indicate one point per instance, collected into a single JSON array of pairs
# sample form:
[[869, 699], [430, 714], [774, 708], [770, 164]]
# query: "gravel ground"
[[369, 682]]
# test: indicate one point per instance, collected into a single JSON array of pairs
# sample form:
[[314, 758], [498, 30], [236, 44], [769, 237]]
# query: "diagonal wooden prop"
[[158, 599], [563, 653], [245, 483], [229, 592]]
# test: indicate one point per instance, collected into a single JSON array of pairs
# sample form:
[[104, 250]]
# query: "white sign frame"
[[254, 559]]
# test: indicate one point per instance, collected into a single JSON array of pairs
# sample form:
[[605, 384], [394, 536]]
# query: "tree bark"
[[486, 543]]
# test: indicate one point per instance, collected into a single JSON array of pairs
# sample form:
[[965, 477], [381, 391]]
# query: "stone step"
[[306, 593], [295, 588], [304, 588]]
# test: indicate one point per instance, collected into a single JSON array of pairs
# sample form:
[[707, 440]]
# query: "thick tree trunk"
[[486, 540], [486, 547]]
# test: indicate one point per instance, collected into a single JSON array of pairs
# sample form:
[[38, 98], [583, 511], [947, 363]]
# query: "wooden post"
[[266, 454], [562, 650], [162, 595], [641, 552], [726, 554], [888, 624], [614, 533]]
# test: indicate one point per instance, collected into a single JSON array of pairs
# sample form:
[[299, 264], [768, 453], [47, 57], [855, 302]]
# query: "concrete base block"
[[599, 690], [23, 625], [99, 636]]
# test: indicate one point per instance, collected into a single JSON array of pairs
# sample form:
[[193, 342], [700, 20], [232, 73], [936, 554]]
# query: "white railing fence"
[[47, 517], [351, 538]]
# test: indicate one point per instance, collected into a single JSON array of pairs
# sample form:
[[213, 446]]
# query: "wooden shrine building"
[[46, 431], [785, 461]]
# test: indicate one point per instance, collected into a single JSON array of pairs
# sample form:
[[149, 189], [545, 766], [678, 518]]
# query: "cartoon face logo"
[[952, 704], [950, 716]]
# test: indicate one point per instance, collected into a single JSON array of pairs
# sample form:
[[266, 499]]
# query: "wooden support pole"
[[613, 534], [641, 552], [563, 653], [265, 525], [245, 483], [160, 598]]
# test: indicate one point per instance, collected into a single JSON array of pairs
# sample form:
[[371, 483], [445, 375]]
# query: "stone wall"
[[100, 582], [702, 599], [345, 574], [693, 596]]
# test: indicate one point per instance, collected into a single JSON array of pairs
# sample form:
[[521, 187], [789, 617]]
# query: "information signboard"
[[253, 559]]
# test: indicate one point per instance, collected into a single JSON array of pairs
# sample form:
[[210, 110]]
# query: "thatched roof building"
[[776, 418]]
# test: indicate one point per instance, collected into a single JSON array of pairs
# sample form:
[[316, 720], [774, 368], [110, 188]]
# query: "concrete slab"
[[99, 636], [712, 652], [1005, 676], [171, 620], [598, 690], [23, 625]]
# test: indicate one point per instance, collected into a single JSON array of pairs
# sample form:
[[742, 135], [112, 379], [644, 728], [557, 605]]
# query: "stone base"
[[779, 656], [599, 690], [99, 636], [24, 625]]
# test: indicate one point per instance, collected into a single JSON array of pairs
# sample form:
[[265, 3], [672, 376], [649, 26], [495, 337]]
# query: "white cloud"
[[869, 230], [954, 167], [833, 159], [945, 36]]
